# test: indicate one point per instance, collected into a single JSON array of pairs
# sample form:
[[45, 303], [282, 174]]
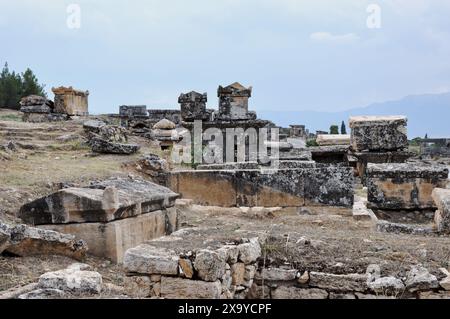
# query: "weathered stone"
[[111, 240], [100, 145], [333, 139], [249, 252], [404, 186], [47, 293], [331, 154], [397, 228], [72, 280], [147, 259], [341, 296], [104, 201], [233, 102], [231, 252], [178, 288], [164, 124], [284, 292], [193, 106], [138, 286], [186, 267], [259, 292], [387, 285], [445, 283], [93, 126], [434, 295], [30, 241], [209, 265], [441, 198], [71, 101], [237, 273], [378, 133], [303, 279], [338, 283], [277, 274], [419, 278]]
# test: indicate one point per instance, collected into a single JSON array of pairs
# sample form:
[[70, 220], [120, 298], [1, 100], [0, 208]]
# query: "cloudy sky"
[[297, 54]]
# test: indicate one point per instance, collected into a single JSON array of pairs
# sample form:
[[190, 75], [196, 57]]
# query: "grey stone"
[[338, 283], [4, 239], [93, 125], [164, 124], [209, 265], [100, 145], [47, 293], [72, 280], [147, 259], [419, 278], [442, 218], [178, 288], [387, 285], [138, 286], [30, 241]]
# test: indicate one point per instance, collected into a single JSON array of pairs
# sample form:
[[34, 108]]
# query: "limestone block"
[[250, 252], [238, 274], [210, 265], [277, 274], [138, 286], [419, 278], [72, 280], [387, 285], [378, 133]]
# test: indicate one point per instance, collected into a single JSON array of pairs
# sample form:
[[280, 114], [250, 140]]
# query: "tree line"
[[14, 86]]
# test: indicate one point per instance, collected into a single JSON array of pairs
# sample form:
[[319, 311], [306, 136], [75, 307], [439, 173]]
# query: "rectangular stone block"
[[338, 283], [151, 260], [441, 198], [178, 288], [111, 240], [378, 133], [333, 139], [404, 186]]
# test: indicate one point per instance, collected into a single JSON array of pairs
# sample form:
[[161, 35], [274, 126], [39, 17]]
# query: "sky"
[[321, 55]]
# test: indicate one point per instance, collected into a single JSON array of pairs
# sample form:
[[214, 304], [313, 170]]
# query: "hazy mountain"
[[427, 114]]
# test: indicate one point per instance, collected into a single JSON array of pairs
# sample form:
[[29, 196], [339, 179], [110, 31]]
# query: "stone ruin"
[[71, 101], [233, 102], [164, 131], [68, 102], [111, 215], [432, 147], [193, 107]]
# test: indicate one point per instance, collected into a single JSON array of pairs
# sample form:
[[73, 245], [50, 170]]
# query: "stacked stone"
[[378, 139], [38, 109], [442, 216], [400, 186], [109, 139], [168, 269], [111, 216], [164, 131]]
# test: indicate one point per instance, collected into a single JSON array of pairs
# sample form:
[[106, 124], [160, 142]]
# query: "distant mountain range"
[[427, 114]]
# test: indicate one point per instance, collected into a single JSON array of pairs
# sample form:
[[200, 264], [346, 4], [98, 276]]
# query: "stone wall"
[[70, 101]]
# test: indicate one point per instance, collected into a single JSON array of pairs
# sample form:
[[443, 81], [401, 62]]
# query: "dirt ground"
[[312, 238]]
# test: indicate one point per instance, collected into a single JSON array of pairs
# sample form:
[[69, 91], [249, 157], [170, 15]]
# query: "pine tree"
[[14, 86], [343, 128], [31, 84], [334, 129]]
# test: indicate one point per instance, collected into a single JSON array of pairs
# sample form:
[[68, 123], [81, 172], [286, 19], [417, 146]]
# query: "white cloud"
[[328, 37]]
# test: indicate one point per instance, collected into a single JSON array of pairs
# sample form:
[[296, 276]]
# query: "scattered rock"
[[72, 280], [147, 259], [284, 292], [47, 293], [249, 252], [209, 265], [178, 288], [99, 145], [29, 241]]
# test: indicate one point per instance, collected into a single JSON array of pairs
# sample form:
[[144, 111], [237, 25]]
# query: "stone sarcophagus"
[[70, 101], [378, 133], [193, 106], [404, 185]]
